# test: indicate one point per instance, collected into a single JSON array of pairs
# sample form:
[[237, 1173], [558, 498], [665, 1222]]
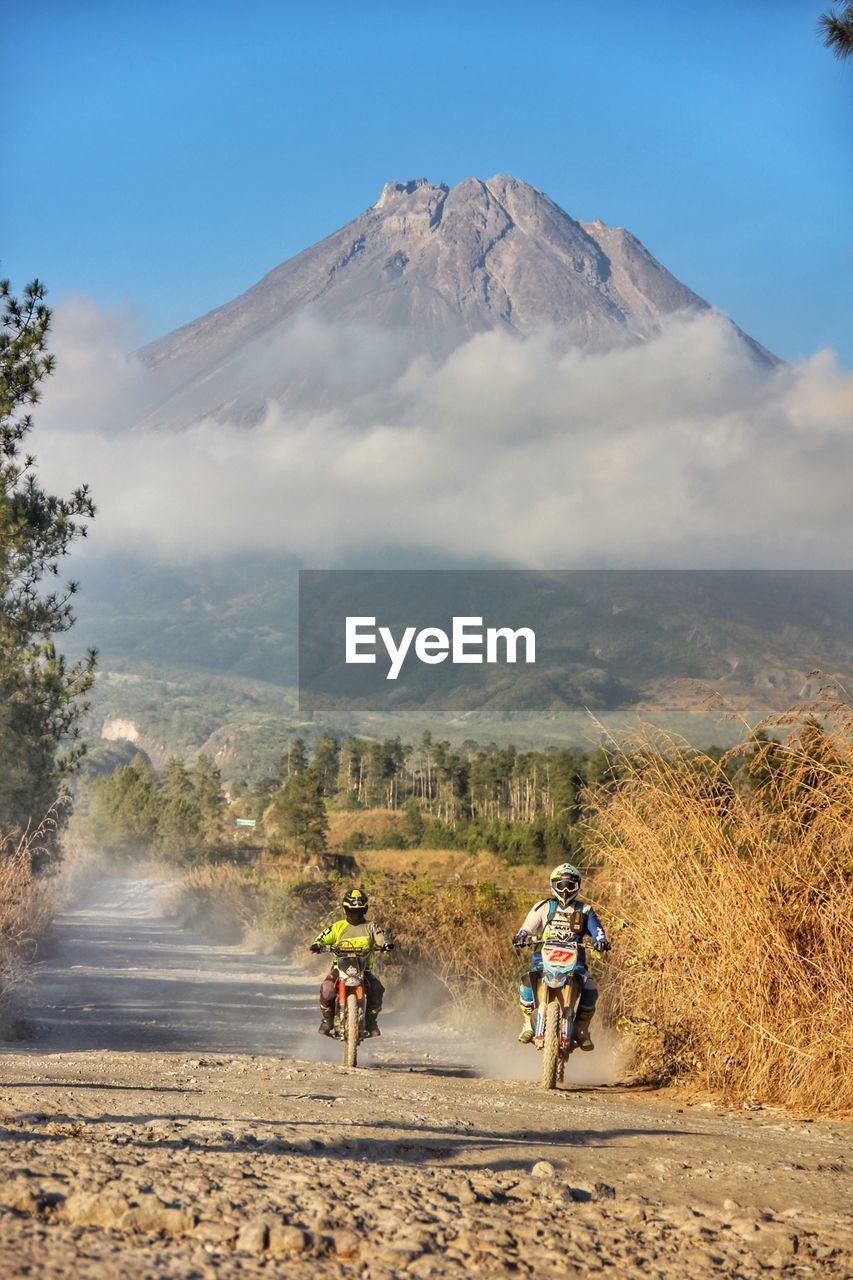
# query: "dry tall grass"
[[373, 822], [736, 965], [453, 864], [271, 904], [25, 913]]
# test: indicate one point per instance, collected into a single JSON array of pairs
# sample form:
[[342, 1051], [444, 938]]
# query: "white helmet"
[[565, 883]]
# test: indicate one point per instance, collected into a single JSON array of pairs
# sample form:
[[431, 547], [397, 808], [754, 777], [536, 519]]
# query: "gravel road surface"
[[175, 1115]]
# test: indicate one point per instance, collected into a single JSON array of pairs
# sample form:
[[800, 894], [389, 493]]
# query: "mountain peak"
[[393, 190], [435, 265]]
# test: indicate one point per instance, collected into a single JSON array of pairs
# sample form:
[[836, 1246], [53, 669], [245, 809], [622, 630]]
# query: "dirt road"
[[173, 1117]]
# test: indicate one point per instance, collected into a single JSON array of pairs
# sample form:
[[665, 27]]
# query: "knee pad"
[[587, 1000], [525, 995]]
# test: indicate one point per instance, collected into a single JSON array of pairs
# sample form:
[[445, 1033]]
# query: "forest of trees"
[[487, 782], [521, 805], [524, 806]]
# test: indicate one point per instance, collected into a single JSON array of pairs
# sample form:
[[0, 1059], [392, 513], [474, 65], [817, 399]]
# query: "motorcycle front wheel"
[[350, 1054], [551, 1043]]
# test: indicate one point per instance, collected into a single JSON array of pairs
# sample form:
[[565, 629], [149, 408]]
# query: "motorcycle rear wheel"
[[551, 1043], [350, 1054]]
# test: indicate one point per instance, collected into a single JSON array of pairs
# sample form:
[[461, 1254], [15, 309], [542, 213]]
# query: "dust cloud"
[[423, 1031]]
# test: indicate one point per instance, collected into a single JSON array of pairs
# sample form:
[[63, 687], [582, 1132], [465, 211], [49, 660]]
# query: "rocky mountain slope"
[[432, 266]]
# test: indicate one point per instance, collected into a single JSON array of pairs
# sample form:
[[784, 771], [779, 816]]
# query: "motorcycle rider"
[[356, 931], [562, 915]]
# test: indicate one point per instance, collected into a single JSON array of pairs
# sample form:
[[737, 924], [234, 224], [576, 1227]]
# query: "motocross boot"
[[327, 1026], [526, 1034], [371, 1025], [581, 1035]]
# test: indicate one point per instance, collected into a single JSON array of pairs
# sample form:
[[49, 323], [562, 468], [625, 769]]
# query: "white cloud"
[[679, 452]]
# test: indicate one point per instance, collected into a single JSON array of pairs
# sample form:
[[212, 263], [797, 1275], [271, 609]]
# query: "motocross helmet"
[[565, 883], [355, 902]]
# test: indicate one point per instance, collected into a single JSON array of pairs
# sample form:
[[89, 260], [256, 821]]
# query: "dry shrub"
[[216, 898], [457, 933], [735, 966], [272, 905], [373, 822], [447, 864], [25, 914]]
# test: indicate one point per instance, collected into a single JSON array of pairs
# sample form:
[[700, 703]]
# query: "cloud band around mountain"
[[679, 452]]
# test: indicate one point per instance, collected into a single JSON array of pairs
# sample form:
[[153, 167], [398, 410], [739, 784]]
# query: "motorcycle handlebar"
[[343, 949], [530, 941]]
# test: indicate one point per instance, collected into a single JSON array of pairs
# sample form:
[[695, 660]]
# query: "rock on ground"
[[154, 1165]]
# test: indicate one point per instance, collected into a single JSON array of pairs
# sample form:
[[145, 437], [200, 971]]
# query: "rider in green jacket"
[[357, 932]]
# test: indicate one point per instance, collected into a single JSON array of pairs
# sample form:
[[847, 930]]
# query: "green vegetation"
[[42, 697], [179, 813], [298, 809], [246, 725], [203, 658], [526, 807]]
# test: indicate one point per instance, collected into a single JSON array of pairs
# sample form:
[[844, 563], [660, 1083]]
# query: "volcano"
[[423, 270]]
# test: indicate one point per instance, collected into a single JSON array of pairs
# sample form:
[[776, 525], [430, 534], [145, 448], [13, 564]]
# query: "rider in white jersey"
[[562, 917]]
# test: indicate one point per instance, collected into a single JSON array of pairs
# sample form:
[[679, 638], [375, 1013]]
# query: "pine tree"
[[297, 758], [294, 761], [836, 27], [300, 814], [210, 798], [324, 762], [179, 823], [125, 809], [41, 696]]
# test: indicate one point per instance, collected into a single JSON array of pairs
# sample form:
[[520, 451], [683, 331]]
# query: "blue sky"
[[166, 155]]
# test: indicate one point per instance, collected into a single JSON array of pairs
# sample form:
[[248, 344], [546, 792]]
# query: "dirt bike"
[[350, 968], [557, 992]]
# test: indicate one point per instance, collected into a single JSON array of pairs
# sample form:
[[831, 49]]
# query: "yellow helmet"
[[355, 899]]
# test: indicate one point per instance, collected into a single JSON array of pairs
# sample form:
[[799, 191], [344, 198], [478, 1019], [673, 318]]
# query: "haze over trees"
[[42, 697], [179, 813]]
